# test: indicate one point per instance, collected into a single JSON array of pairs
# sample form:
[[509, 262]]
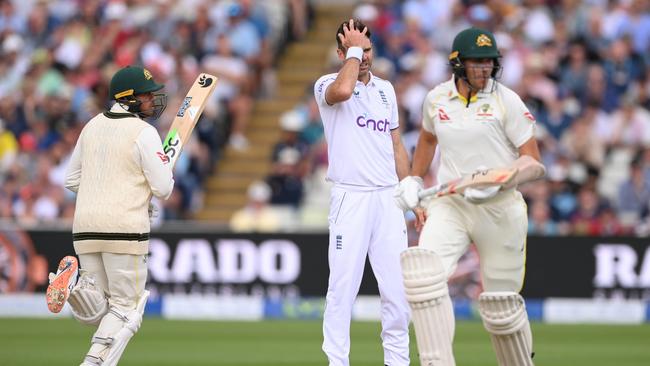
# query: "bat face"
[[188, 115]]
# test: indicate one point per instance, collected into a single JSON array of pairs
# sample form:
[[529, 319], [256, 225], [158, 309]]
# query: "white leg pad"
[[115, 331], [132, 322], [504, 317], [88, 304], [425, 283]]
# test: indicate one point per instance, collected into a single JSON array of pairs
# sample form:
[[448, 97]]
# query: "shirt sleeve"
[[321, 87], [519, 123], [73, 172], [394, 117], [428, 113], [155, 164]]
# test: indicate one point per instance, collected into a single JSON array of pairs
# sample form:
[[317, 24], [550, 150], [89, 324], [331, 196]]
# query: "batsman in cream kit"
[[116, 167], [360, 117], [478, 124]]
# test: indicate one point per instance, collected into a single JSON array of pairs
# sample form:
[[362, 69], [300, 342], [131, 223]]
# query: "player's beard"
[[364, 68], [480, 81], [159, 103]]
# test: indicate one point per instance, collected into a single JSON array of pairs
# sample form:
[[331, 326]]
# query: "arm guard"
[[528, 168]]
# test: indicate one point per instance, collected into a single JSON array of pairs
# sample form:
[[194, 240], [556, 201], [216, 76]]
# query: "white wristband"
[[354, 52]]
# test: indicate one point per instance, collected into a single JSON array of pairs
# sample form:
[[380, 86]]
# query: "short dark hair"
[[357, 25]]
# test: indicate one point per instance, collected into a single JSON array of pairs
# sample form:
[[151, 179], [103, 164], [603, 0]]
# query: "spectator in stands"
[[8, 149], [258, 215], [634, 194], [285, 179], [585, 219], [231, 93], [630, 124], [292, 124], [539, 221]]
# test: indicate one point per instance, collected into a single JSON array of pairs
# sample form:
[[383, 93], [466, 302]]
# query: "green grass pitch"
[[55, 342]]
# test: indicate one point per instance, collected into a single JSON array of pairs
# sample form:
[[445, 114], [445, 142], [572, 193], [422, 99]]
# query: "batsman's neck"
[[464, 88]]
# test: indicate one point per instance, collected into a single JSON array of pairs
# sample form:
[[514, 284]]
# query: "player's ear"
[[340, 54]]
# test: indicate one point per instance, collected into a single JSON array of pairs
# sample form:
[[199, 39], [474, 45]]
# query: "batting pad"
[[132, 322], [87, 303], [425, 283], [114, 333], [504, 317]]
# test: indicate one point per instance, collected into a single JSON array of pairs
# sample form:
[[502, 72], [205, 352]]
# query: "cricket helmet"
[[131, 81], [474, 43]]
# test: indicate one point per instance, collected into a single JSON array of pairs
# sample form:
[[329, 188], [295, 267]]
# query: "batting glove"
[[153, 212], [406, 192], [480, 195]]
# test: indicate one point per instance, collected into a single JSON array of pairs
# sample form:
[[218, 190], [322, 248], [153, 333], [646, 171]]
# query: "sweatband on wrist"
[[356, 52]]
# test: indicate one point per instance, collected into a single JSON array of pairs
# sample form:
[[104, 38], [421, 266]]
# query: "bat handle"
[[430, 191]]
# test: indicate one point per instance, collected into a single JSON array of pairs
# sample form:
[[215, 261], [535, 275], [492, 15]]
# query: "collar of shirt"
[[453, 91], [117, 108], [371, 82]]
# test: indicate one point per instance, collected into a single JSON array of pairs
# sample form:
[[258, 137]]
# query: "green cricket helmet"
[[131, 81], [474, 43]]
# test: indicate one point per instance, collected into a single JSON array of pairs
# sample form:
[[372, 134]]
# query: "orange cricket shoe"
[[62, 283]]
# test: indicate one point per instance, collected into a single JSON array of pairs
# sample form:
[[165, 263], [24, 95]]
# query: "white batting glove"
[[480, 195], [406, 192], [153, 212]]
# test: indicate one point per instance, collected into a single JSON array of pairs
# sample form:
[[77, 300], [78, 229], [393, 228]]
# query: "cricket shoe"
[[62, 283]]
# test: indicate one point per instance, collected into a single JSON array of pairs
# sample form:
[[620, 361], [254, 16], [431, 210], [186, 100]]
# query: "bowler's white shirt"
[[487, 133], [359, 143]]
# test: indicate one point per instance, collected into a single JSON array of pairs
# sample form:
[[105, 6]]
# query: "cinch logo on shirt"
[[381, 125]]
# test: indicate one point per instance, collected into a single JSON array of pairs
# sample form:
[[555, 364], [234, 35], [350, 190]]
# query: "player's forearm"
[[401, 158], [528, 169], [343, 87], [423, 155]]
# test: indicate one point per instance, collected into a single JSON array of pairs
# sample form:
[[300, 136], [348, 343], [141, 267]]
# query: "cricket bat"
[[187, 116], [481, 179]]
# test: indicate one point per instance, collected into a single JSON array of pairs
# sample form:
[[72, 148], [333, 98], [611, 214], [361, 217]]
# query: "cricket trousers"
[[365, 224], [121, 277], [498, 228]]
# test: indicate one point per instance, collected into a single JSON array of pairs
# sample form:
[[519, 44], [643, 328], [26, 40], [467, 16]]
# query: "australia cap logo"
[[483, 41]]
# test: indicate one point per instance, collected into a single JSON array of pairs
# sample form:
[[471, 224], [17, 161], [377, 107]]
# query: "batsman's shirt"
[[359, 142], [485, 134]]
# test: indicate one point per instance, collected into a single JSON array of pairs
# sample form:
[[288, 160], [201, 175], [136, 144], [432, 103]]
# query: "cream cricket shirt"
[[359, 143], [487, 133], [117, 164]]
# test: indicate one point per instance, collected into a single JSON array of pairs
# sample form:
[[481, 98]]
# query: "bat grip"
[[430, 191]]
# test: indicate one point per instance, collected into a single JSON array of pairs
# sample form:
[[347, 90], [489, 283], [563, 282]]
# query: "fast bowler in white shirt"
[[366, 161]]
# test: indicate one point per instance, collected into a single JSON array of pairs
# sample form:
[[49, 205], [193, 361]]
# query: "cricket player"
[[477, 123], [366, 157], [115, 168]]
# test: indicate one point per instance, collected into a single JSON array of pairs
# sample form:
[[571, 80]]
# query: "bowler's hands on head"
[[353, 37], [406, 192]]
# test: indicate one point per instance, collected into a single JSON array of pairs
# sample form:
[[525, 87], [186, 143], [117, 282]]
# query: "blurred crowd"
[[57, 58], [582, 68]]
